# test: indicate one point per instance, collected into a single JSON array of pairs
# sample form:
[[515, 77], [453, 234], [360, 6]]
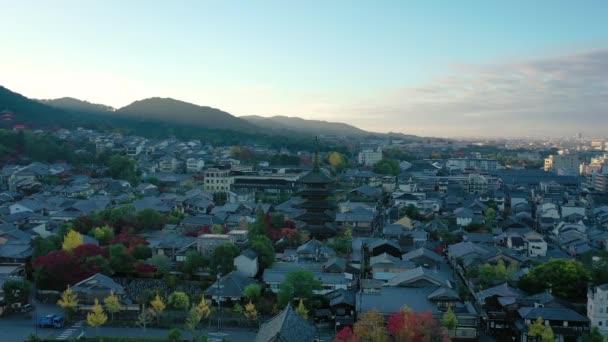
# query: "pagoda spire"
[[315, 156]]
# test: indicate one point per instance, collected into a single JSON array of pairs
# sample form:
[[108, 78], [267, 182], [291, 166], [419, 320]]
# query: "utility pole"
[[219, 298]]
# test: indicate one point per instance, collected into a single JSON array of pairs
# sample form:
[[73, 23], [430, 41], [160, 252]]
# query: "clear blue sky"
[[332, 60]]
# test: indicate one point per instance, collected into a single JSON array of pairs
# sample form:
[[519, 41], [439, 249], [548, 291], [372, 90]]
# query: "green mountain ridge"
[[314, 127]]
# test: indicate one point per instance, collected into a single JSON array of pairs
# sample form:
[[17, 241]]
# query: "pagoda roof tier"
[[316, 176], [311, 216], [327, 229], [315, 192], [321, 204]]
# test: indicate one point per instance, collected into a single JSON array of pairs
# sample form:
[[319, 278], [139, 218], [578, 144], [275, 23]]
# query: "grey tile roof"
[[98, 282], [422, 252], [403, 279], [287, 326], [392, 299], [231, 285], [551, 314]]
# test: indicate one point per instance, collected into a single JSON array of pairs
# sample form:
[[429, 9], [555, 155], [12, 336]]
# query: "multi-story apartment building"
[[563, 164], [597, 307], [482, 164], [217, 180], [369, 156], [194, 165]]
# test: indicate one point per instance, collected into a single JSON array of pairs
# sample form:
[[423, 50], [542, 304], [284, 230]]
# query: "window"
[[599, 323]]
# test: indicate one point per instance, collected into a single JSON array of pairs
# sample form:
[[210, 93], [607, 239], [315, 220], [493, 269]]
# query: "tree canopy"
[[222, 258], [387, 167], [565, 278]]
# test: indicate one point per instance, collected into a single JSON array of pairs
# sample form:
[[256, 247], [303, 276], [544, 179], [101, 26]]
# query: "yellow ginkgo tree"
[[97, 317], [72, 240]]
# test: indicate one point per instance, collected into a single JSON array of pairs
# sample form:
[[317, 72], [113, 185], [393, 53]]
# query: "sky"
[[434, 68]]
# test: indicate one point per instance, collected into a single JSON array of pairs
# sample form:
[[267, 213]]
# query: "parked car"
[[51, 321]]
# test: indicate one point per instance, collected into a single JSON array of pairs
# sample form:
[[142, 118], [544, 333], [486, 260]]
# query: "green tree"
[[112, 304], [16, 291], [150, 219], [121, 167], [565, 278], [120, 260], [541, 331], [217, 229], [179, 300], [141, 252], [259, 226], [490, 218], [252, 292], [222, 258], [387, 167], [265, 250], [193, 262], [593, 336], [174, 335], [43, 246], [103, 234], [299, 284], [449, 319], [192, 320], [161, 262]]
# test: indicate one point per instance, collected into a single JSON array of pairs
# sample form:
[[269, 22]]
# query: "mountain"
[[299, 125], [75, 105], [175, 111]]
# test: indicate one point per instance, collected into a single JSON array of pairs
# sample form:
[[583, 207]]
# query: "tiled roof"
[[287, 326]]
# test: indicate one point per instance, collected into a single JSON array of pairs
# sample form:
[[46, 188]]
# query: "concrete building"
[[369, 157], [217, 180], [597, 307], [482, 164], [207, 243], [563, 164]]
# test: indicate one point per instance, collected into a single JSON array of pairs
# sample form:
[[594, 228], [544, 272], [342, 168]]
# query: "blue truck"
[[51, 321]]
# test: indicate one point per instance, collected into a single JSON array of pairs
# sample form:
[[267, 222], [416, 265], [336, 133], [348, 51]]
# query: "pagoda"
[[316, 188]]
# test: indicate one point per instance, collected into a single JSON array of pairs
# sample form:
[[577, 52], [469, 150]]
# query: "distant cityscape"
[[481, 239]]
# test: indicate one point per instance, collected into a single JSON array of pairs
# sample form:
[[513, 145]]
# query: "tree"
[[407, 325], [123, 168], [112, 304], [252, 292], [157, 307], [286, 293], [449, 319], [141, 252], [150, 219], [337, 160], [250, 311], [72, 240], [300, 284], [103, 234], [174, 335], [387, 167], [593, 336], [192, 262], [370, 326], [302, 310], [68, 301], [217, 229], [144, 318], [541, 331], [179, 300], [220, 198], [43, 246], [346, 335], [565, 278], [490, 218], [222, 258], [97, 317], [120, 260], [192, 320], [265, 251], [203, 308], [161, 262], [16, 291]]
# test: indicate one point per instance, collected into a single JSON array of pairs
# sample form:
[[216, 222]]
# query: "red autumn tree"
[[408, 326], [88, 250], [58, 269], [129, 240], [346, 335]]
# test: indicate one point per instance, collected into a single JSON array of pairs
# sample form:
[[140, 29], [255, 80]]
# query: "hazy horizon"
[[425, 68]]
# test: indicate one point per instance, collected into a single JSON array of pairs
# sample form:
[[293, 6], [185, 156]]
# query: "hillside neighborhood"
[[388, 239]]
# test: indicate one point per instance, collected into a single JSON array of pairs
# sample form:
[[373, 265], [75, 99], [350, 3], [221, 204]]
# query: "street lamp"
[[219, 298]]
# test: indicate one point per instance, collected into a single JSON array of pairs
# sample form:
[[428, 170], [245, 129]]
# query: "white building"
[[597, 307], [217, 180], [369, 157], [246, 263], [472, 163], [563, 164], [536, 247], [194, 165]]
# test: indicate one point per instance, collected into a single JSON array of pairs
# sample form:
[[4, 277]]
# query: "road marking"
[[218, 334], [68, 332]]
